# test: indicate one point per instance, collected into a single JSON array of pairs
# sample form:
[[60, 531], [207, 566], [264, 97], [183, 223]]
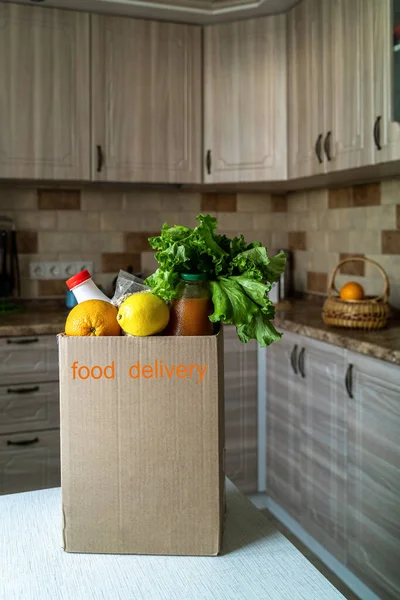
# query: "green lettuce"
[[240, 275]]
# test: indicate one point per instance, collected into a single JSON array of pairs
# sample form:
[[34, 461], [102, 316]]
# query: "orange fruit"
[[352, 291], [93, 317]]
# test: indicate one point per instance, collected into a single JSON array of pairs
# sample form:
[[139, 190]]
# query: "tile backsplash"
[[110, 227]]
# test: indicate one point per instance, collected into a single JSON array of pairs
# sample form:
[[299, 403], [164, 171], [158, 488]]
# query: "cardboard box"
[[142, 438]]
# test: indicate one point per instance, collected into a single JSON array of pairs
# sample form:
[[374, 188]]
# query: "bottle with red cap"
[[84, 288]]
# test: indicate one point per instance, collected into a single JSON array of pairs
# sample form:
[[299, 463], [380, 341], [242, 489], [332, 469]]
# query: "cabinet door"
[[386, 79], [374, 475], [324, 445], [28, 358], [29, 406], [348, 57], [306, 89], [146, 101], [44, 100], [240, 411], [29, 461], [245, 123], [284, 392]]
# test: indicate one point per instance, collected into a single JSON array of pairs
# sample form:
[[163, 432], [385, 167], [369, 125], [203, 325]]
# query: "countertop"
[[298, 316], [257, 561], [304, 317]]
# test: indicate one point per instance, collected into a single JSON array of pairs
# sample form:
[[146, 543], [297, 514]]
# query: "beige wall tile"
[[235, 221], [322, 261], [339, 219], [297, 202], [390, 191], [339, 241], [100, 199], [279, 240], [300, 280], [279, 221], [364, 241], [29, 288], [121, 221], [138, 200], [380, 217], [18, 199], [301, 259], [317, 200], [357, 218], [254, 203], [43, 220], [101, 242], [317, 241], [60, 241], [181, 201], [76, 220], [264, 222]]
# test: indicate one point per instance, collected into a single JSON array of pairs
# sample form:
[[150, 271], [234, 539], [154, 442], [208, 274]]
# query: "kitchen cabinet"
[[240, 363], [307, 82], [29, 461], [348, 57], [386, 80], [245, 112], [44, 100], [146, 101], [374, 474], [323, 444], [283, 424], [29, 413], [346, 483]]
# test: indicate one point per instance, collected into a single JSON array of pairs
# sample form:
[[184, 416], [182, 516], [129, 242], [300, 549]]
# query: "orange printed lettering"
[[147, 371], [169, 372], [137, 367], [181, 371]]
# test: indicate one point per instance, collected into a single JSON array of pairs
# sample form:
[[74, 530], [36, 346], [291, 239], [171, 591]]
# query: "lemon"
[[143, 314]]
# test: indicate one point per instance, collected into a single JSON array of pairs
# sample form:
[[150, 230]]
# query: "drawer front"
[[29, 406], [29, 461], [28, 358]]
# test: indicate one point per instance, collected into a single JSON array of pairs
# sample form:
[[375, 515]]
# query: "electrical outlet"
[[37, 270]]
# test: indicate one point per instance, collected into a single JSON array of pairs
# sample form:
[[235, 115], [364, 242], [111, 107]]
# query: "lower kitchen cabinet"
[[344, 488], [283, 425], [374, 474], [240, 362], [323, 444], [29, 461]]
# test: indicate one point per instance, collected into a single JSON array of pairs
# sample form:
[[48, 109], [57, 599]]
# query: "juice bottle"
[[192, 307]]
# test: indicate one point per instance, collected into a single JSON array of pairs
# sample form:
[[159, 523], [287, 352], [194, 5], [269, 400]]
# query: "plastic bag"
[[126, 285]]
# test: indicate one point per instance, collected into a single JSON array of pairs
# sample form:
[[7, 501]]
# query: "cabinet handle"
[[348, 381], [318, 148], [28, 390], [327, 145], [377, 133], [301, 363], [25, 341], [208, 162], [99, 159], [23, 442], [293, 359]]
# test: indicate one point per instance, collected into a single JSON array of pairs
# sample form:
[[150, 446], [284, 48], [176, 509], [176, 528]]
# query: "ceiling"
[[188, 11]]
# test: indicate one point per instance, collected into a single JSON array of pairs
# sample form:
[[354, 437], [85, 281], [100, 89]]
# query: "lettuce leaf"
[[240, 274]]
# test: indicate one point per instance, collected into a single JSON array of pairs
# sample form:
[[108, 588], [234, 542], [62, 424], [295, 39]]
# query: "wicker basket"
[[369, 313]]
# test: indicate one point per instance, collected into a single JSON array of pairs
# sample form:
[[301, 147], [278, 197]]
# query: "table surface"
[[257, 561]]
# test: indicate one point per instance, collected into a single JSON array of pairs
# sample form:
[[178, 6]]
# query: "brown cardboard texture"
[[142, 444]]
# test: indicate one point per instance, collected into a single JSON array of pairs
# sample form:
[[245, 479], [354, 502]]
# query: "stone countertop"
[[298, 316], [305, 318], [35, 320]]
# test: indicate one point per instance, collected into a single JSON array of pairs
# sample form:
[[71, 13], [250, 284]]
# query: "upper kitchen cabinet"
[[146, 101], [349, 118], [245, 112], [386, 47], [306, 88], [44, 99]]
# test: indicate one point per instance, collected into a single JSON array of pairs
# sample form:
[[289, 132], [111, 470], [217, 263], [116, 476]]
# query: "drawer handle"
[[348, 381], [293, 359], [25, 341], [23, 442], [28, 390], [301, 362]]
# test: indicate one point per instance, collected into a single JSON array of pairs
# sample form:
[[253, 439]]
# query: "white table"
[[257, 563]]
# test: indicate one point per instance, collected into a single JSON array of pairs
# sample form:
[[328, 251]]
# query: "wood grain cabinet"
[[374, 474], [333, 453], [245, 123], [44, 99], [240, 362], [146, 101], [29, 414], [283, 424]]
